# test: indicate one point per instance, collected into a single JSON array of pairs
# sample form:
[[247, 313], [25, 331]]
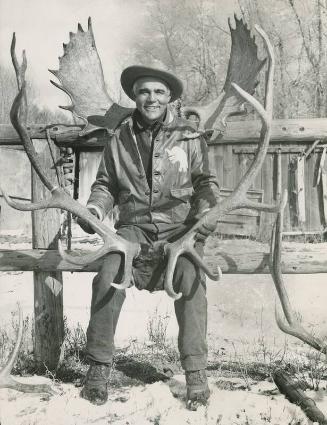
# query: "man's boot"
[[96, 383], [197, 389]]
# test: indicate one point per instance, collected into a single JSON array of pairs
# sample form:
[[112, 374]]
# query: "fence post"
[[48, 286]]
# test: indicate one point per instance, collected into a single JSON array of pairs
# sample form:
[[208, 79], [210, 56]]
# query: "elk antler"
[[292, 325], [6, 380], [238, 199], [81, 76], [243, 69], [61, 199]]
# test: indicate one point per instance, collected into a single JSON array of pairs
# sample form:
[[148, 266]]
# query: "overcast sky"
[[42, 26]]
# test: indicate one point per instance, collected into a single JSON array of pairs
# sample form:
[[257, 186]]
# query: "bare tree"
[[311, 22], [297, 30], [187, 38], [8, 92], [37, 114]]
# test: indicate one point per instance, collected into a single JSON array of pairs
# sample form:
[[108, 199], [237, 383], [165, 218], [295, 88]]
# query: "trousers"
[[190, 309]]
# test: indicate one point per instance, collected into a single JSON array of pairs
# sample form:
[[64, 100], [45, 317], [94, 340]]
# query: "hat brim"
[[112, 118], [133, 73]]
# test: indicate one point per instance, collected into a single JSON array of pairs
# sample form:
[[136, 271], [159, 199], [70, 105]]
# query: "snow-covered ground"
[[158, 403], [241, 314]]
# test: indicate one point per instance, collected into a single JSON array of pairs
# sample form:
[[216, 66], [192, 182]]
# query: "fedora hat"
[[133, 73]]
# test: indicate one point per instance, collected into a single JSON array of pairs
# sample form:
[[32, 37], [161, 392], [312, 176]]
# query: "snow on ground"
[[158, 403], [241, 317]]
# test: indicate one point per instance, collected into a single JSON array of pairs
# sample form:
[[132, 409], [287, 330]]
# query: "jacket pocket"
[[183, 194]]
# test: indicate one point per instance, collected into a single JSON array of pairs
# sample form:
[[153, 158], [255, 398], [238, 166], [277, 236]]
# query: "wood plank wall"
[[231, 160]]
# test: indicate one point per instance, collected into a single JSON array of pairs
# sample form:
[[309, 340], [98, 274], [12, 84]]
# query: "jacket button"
[[155, 191], [156, 173], [147, 192], [156, 155]]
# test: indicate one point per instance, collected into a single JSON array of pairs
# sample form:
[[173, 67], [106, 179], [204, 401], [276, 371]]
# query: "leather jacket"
[[183, 186]]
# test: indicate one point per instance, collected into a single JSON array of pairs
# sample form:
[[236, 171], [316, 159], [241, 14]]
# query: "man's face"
[[151, 97]]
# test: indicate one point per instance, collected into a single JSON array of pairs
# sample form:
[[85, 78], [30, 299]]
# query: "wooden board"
[[285, 130], [48, 286], [300, 188], [232, 259]]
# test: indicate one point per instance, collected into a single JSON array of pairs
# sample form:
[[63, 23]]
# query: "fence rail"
[[291, 130], [297, 261]]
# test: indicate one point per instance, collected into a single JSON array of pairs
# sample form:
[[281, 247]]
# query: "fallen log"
[[296, 395]]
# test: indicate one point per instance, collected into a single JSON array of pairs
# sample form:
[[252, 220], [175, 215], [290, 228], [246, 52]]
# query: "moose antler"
[[238, 199], [291, 326], [6, 380], [81, 76], [243, 69]]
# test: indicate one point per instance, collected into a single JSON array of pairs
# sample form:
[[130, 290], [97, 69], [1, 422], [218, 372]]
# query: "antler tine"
[[299, 332], [89, 24], [292, 325], [21, 206], [273, 208], [25, 138], [173, 251], [270, 71], [265, 114], [14, 354], [20, 71], [6, 381]]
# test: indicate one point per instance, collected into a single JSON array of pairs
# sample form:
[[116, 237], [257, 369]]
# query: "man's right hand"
[[84, 225]]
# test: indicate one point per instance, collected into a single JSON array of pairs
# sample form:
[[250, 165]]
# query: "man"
[[158, 175]]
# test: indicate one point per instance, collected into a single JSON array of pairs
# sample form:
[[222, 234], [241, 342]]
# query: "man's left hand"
[[205, 230]]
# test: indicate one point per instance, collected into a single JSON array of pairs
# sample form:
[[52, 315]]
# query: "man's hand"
[[207, 228], [84, 225], [204, 231]]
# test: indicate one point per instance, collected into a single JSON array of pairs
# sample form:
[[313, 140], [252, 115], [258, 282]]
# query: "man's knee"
[[187, 277], [110, 271], [102, 290]]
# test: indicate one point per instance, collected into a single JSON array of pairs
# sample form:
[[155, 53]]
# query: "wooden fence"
[[288, 165]]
